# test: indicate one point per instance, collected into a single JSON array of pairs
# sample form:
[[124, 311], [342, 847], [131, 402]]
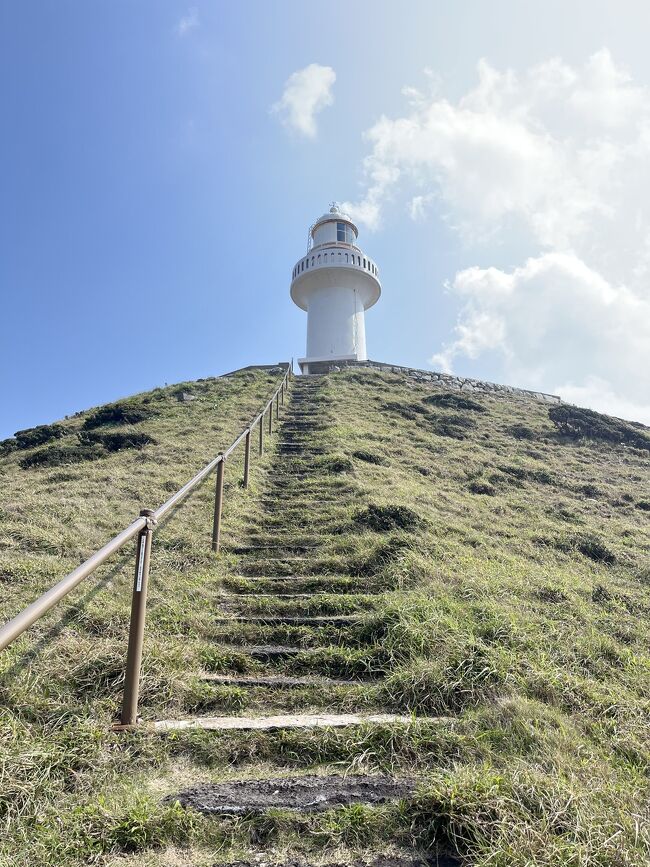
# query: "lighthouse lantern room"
[[335, 283]]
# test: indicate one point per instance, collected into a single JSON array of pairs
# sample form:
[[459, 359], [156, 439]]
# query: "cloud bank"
[[553, 163], [306, 92]]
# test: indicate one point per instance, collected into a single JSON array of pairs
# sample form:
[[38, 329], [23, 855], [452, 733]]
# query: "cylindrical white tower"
[[335, 283]]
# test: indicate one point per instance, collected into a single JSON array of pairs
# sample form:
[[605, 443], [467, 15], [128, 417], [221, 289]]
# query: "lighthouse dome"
[[334, 227]]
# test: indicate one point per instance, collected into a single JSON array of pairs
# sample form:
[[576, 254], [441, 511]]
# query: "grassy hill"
[[470, 561]]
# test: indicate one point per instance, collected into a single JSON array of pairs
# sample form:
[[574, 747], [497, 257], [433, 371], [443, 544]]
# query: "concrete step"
[[266, 652], [279, 681], [246, 597], [296, 579], [289, 619], [247, 549], [283, 721]]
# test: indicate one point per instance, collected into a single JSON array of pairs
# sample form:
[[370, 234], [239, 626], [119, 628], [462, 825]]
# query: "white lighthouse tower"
[[335, 283]]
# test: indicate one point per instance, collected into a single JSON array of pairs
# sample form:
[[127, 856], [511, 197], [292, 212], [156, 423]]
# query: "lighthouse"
[[335, 283]]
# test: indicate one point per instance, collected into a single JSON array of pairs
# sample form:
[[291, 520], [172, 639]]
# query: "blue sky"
[[153, 203]]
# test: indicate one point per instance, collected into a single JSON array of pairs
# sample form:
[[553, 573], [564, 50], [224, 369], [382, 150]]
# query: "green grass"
[[498, 568]]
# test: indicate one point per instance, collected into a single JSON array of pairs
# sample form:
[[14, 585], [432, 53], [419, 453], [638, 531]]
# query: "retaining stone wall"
[[446, 380]]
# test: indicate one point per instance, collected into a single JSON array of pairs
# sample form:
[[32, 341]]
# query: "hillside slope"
[[402, 550]]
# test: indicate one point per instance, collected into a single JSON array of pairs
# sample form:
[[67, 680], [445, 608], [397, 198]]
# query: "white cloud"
[[554, 165], [188, 22], [556, 324], [306, 92]]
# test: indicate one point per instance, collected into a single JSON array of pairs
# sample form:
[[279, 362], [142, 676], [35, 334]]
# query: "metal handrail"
[[143, 528], [15, 627]]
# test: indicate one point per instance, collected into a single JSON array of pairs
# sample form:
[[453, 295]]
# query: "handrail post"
[[282, 391], [271, 418], [277, 405], [261, 434], [218, 502], [138, 615], [247, 456]]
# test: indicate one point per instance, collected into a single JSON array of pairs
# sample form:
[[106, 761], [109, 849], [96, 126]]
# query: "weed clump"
[[521, 432], [462, 676], [590, 491], [644, 505], [579, 423], [450, 400], [586, 544], [368, 457], [453, 426], [600, 594], [384, 518], [594, 549], [118, 413], [338, 464], [484, 488], [551, 594], [527, 474], [409, 411]]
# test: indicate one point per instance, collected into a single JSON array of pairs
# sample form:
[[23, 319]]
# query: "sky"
[[162, 163]]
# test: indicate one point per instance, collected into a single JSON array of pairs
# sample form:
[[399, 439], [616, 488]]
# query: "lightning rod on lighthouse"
[[335, 283]]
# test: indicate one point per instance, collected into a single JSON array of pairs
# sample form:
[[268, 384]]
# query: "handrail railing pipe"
[[21, 622], [138, 616], [143, 527], [247, 457], [218, 505]]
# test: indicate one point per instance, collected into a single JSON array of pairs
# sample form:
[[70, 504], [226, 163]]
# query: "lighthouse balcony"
[[338, 265], [335, 256]]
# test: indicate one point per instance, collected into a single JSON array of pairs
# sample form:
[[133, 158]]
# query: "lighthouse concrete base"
[[325, 363]]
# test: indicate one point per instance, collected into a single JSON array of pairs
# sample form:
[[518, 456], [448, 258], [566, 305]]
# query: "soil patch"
[[309, 794]]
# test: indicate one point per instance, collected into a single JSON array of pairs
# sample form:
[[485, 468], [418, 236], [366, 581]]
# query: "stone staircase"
[[285, 618]]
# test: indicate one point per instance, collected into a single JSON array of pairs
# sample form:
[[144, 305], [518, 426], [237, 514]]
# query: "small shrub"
[[118, 413], [521, 432], [33, 437], [383, 518], [7, 446], [368, 457], [579, 423], [644, 505], [87, 446], [590, 491], [450, 400], [485, 488], [60, 455], [115, 441]]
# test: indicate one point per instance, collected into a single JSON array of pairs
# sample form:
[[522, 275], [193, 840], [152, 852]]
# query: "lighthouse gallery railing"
[[143, 528]]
